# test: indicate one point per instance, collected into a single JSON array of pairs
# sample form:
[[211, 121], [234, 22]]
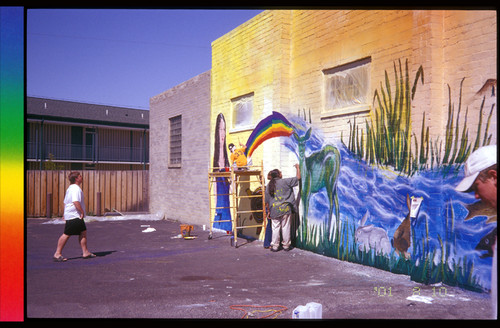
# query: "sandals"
[[63, 259], [60, 259]]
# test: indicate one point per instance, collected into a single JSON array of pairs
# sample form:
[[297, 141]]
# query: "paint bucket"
[[311, 310], [300, 312], [186, 230], [315, 310]]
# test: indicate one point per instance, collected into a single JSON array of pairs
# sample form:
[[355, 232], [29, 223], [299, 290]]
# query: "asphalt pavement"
[[159, 275]]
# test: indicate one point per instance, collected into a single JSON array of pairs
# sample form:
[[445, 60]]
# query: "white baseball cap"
[[479, 160]]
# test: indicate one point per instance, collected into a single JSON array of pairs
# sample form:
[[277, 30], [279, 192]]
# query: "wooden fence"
[[125, 191]]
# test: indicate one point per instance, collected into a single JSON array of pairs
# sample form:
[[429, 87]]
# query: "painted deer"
[[318, 170]]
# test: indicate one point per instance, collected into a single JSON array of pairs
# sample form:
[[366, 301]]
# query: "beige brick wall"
[[469, 47], [252, 58], [280, 55], [181, 193]]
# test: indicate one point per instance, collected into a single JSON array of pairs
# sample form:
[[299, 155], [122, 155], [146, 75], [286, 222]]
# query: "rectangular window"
[[242, 111], [347, 87], [175, 153]]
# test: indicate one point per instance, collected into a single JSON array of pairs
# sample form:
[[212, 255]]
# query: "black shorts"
[[74, 227]]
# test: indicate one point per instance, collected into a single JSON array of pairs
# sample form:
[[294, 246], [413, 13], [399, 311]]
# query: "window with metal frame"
[[175, 150], [242, 111], [347, 87]]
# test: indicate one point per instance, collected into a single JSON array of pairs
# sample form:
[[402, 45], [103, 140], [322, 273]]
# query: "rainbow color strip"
[[11, 164], [275, 125]]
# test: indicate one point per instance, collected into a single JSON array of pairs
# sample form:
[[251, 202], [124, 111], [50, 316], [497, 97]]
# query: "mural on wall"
[[319, 171], [274, 125], [222, 219], [387, 199]]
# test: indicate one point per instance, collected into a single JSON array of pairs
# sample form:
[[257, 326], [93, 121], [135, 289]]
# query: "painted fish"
[[486, 243], [481, 209]]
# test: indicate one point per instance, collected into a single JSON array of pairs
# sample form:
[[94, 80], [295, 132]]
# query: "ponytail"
[[274, 174]]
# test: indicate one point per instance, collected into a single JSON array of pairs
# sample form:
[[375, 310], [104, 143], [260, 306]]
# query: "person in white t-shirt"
[[74, 212]]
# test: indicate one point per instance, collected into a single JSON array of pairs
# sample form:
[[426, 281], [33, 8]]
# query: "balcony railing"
[[70, 152]]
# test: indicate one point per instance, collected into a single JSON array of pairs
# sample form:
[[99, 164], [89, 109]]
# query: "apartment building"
[[70, 135]]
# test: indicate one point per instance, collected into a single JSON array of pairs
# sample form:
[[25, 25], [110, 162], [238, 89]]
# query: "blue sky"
[[120, 57]]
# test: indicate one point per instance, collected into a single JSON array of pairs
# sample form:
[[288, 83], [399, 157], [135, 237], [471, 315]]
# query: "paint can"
[[315, 310], [186, 230], [311, 310], [300, 312]]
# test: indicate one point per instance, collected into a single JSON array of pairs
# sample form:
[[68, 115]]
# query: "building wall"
[[280, 55], [470, 52], [252, 58], [181, 193], [327, 39], [445, 61], [450, 45]]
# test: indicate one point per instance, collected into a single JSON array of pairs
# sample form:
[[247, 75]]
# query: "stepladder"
[[237, 198]]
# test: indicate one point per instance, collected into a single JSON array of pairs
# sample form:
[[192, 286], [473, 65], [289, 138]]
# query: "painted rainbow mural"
[[275, 125]]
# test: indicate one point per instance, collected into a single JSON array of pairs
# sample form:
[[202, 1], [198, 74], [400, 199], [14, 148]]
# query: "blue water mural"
[[439, 232]]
